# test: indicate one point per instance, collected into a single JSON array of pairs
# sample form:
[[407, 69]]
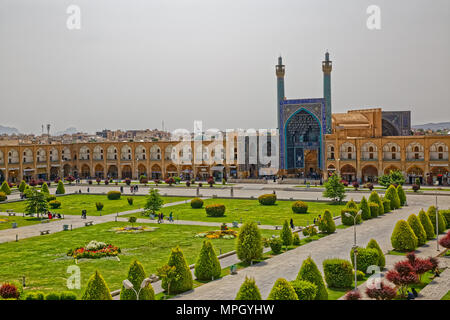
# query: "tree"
[[249, 244], [36, 202], [392, 195], [403, 237], [420, 266], [286, 234], [365, 210], [401, 195], [207, 266], [182, 280], [383, 292], [402, 276], [168, 273], [394, 177], [282, 290], [248, 290], [373, 244], [60, 188], [310, 272], [136, 276], [442, 224], [45, 188], [418, 229], [427, 225], [5, 188], [334, 189], [154, 202], [326, 223], [374, 197], [96, 288]]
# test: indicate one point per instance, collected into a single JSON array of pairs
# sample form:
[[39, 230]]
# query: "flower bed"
[[94, 250], [218, 234], [133, 229]]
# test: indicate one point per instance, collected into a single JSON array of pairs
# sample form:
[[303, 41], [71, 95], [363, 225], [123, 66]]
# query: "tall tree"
[[154, 202], [334, 189], [36, 202]]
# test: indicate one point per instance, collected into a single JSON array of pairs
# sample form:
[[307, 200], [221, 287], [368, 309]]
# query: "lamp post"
[[437, 225], [129, 286], [355, 250]]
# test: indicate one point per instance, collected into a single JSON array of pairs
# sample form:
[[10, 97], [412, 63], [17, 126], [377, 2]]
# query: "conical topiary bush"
[[44, 188], [286, 234], [22, 186], [392, 195], [310, 272], [282, 290], [136, 275], [364, 207], [248, 290], [5, 188], [426, 224], [96, 288], [183, 281], [374, 209], [249, 244], [374, 197], [403, 237], [60, 188], [431, 212], [418, 229], [351, 204], [207, 266], [401, 194], [327, 225], [373, 244]]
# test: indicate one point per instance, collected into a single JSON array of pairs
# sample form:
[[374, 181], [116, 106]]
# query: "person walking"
[[171, 216], [292, 224]]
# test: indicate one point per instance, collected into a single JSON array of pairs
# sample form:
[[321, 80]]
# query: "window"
[[394, 156]]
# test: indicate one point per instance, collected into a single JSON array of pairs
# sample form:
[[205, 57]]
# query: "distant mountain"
[[8, 130], [70, 130], [432, 126]]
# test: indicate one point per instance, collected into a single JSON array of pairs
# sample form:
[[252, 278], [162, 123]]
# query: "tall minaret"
[[279, 68], [327, 66]]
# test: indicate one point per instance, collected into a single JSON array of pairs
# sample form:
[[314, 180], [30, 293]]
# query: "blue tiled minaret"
[[326, 68], [279, 70]]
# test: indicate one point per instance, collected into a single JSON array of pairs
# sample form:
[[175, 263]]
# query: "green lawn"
[[74, 203], [447, 296], [251, 210], [6, 221], [43, 261], [337, 293]]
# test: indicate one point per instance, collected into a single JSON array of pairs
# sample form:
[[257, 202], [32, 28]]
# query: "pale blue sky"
[[135, 63]]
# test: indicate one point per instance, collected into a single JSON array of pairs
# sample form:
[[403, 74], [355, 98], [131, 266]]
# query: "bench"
[[89, 223], [277, 227], [10, 212], [45, 232]]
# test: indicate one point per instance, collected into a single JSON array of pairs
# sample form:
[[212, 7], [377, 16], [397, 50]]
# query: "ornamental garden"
[[184, 255]]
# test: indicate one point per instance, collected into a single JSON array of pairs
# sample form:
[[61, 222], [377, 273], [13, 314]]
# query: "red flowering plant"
[[33, 183], [352, 295], [70, 179], [383, 292], [98, 180], [419, 265], [9, 291], [94, 250], [445, 241], [170, 181], [127, 181], [402, 276], [211, 181], [355, 185]]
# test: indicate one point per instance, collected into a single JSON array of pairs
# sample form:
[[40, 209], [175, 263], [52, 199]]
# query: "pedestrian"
[[162, 217], [88, 189], [171, 216], [414, 292], [159, 217], [292, 224], [410, 296]]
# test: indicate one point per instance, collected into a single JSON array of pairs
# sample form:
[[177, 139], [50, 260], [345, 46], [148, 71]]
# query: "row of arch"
[[391, 151]]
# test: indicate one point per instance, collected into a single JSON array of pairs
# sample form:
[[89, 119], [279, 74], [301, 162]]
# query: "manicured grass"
[[21, 221], [447, 296], [337, 293], [396, 253], [43, 260], [74, 203], [251, 210], [426, 279]]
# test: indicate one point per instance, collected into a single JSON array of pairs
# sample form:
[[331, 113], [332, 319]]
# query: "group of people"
[[53, 215], [161, 217]]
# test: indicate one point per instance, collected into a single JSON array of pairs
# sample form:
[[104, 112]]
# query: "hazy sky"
[[135, 63]]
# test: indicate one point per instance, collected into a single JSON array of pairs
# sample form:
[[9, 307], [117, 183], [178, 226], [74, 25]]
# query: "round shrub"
[[10, 290], [403, 237], [267, 199], [196, 203], [183, 281], [248, 290], [300, 207], [305, 290], [374, 208], [365, 258], [113, 195], [418, 229], [207, 266], [275, 245], [282, 290], [3, 196], [34, 295], [373, 244], [338, 273], [426, 224], [215, 210], [50, 198], [55, 204], [296, 239], [359, 275], [68, 295], [386, 205], [52, 296], [310, 272], [349, 221]]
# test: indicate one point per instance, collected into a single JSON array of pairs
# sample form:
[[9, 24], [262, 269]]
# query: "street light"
[[129, 286], [355, 250], [437, 225]]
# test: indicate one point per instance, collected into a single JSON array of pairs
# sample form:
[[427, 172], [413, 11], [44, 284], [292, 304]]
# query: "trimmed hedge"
[[96, 288], [136, 275], [276, 244], [184, 281], [427, 225], [374, 197], [403, 237], [267, 199], [55, 204], [215, 210], [207, 266], [248, 290], [418, 229], [349, 221], [373, 244], [386, 205], [282, 290], [113, 195], [196, 203], [374, 208], [364, 207], [365, 258], [300, 207], [310, 272], [296, 239], [338, 273], [305, 290], [34, 295]]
